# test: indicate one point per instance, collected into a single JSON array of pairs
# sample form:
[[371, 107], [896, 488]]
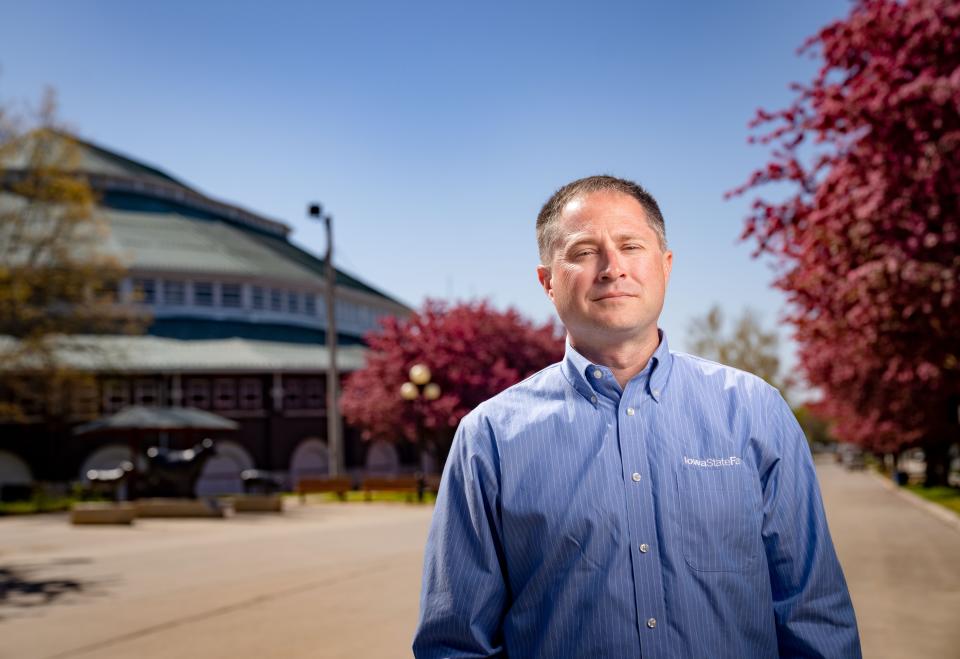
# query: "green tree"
[[747, 345], [55, 278]]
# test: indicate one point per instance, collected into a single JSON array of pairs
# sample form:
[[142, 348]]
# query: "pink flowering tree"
[[867, 239], [472, 351]]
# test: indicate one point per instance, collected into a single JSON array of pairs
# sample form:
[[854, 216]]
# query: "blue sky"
[[433, 131]]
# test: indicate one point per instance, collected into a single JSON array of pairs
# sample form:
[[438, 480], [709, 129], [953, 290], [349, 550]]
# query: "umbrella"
[[140, 420]]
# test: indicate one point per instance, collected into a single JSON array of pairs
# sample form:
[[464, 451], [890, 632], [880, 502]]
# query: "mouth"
[[612, 296]]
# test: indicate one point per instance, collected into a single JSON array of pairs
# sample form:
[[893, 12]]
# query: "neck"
[[624, 359]]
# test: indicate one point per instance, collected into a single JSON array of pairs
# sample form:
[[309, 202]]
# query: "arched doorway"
[[310, 460], [221, 473], [382, 459], [14, 472], [106, 457]]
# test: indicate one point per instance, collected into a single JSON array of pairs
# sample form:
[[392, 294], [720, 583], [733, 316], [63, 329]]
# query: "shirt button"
[[656, 392], [593, 399], [651, 622], [636, 477], [644, 548], [598, 373], [630, 411]]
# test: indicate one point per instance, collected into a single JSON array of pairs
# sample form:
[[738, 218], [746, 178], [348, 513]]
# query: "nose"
[[610, 267]]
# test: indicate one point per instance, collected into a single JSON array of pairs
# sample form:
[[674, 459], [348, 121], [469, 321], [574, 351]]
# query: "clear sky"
[[433, 131]]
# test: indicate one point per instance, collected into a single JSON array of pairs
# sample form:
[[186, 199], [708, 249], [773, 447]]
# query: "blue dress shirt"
[[679, 517]]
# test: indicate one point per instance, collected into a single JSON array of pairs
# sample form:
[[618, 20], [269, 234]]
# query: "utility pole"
[[334, 438]]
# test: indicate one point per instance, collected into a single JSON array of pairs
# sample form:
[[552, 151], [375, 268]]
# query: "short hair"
[[550, 213]]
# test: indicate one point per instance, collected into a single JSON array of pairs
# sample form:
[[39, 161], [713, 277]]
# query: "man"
[[628, 501]]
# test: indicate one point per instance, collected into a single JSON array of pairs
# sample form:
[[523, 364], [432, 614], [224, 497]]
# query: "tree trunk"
[[938, 462]]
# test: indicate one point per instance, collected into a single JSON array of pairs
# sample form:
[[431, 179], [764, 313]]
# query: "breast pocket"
[[720, 520]]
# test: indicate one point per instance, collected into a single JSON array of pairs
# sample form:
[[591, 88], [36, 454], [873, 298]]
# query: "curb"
[[948, 517]]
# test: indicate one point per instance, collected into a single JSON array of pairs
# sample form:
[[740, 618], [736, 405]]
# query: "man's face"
[[608, 274]]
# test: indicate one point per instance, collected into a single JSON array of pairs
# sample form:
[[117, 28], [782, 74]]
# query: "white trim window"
[[257, 298], [203, 293], [146, 392], [292, 394], [174, 293], [251, 394], [198, 393], [116, 395], [224, 394], [231, 296], [276, 299], [314, 394], [145, 290]]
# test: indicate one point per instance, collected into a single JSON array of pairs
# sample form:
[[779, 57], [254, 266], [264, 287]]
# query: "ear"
[[543, 274], [667, 266]]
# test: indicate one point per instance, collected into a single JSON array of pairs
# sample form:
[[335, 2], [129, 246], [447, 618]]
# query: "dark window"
[[174, 292], [203, 294], [293, 302], [198, 394], [230, 296], [224, 394], [251, 395], [145, 291], [292, 395], [314, 394], [256, 297], [276, 300]]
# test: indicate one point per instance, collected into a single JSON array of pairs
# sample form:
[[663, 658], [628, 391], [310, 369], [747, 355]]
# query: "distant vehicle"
[[851, 456]]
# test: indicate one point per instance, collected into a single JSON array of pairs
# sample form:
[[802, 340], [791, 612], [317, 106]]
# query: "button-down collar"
[[581, 373]]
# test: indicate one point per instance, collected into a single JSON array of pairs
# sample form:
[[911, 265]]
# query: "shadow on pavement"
[[21, 586]]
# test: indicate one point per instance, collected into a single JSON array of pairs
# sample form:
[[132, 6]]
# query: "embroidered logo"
[[713, 462]]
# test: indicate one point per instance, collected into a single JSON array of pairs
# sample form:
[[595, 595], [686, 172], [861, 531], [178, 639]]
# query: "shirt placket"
[[645, 554]]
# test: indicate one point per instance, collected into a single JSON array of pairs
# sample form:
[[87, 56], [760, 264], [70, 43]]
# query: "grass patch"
[[948, 497], [354, 496], [37, 505]]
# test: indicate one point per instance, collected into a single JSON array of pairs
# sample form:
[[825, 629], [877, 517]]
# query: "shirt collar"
[[581, 372]]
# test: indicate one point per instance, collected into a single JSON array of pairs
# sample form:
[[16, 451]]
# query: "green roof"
[[166, 229], [170, 242], [92, 159], [152, 354]]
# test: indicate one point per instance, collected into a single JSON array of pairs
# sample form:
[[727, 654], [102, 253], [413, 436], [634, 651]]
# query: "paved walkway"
[[902, 565], [332, 580], [324, 580]]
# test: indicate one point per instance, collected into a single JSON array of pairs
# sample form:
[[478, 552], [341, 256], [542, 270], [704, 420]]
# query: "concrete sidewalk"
[[342, 580], [325, 580], [902, 565]]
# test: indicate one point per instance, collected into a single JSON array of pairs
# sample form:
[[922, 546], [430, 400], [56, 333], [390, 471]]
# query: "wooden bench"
[[431, 483], [409, 484], [317, 485]]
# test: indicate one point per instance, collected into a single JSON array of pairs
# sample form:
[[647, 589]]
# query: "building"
[[238, 328]]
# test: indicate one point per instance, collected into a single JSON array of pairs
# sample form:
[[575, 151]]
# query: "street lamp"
[[419, 385], [334, 439], [419, 377]]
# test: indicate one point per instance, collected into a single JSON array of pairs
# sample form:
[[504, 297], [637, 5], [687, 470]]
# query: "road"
[[341, 580], [902, 566]]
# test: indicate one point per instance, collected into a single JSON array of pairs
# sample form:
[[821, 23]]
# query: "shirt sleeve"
[[812, 607], [464, 591]]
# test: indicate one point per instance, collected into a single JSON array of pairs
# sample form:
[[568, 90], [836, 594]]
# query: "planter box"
[[257, 503], [102, 513], [181, 508]]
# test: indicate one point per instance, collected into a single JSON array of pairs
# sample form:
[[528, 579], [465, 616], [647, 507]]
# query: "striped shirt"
[[677, 517]]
